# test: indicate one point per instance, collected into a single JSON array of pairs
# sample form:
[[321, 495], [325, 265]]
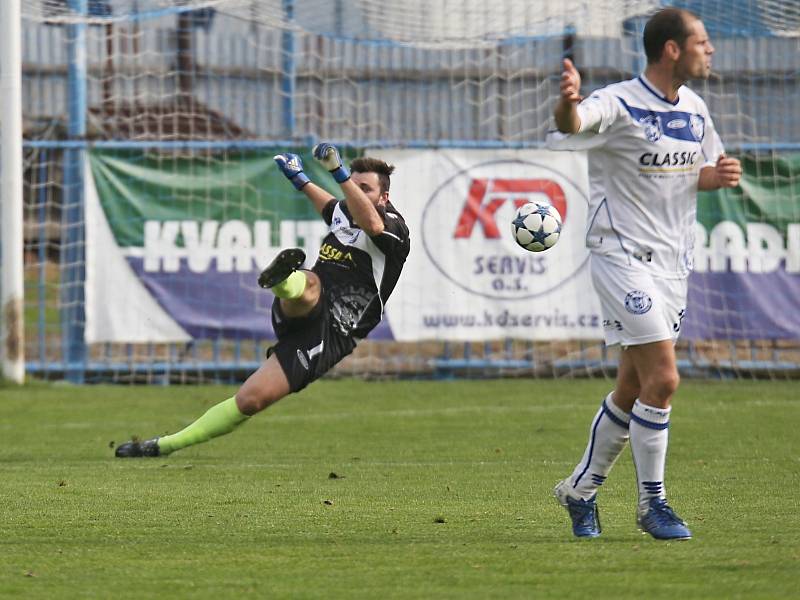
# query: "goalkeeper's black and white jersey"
[[359, 272]]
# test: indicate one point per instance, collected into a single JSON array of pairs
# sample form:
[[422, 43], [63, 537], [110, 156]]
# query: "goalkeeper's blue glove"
[[328, 155], [292, 166]]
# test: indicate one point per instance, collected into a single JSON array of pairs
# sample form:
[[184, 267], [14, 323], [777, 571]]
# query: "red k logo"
[[486, 196], [466, 225]]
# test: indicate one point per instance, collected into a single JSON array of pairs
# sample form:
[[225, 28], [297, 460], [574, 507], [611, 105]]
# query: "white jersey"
[[645, 154]]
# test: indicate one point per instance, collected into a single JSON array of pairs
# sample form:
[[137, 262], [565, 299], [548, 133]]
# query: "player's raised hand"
[[566, 110], [291, 165], [328, 155], [570, 83], [728, 171]]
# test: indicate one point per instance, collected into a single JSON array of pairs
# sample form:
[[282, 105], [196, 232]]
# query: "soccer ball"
[[536, 226]]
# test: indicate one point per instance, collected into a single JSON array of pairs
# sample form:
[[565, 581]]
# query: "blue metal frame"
[[289, 70], [75, 364], [73, 272], [42, 255], [779, 146]]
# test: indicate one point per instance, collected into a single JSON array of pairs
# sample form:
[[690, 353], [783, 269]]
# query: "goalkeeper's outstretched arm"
[[319, 196], [363, 210]]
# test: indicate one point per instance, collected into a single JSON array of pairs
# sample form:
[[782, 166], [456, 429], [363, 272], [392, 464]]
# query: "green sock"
[[292, 287], [217, 420]]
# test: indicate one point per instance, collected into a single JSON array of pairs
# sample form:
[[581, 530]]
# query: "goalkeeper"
[[318, 315]]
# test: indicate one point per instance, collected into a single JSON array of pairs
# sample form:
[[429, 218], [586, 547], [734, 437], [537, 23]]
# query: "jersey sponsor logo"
[[638, 302], [668, 159], [347, 235], [472, 247], [330, 252], [697, 125], [343, 229], [652, 127], [681, 125]]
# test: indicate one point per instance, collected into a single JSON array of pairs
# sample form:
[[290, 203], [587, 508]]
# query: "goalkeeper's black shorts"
[[308, 347]]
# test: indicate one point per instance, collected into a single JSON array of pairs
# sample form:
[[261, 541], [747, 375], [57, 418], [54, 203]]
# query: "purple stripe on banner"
[[215, 305], [743, 306]]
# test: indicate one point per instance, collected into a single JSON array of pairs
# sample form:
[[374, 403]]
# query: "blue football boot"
[[584, 514], [662, 523]]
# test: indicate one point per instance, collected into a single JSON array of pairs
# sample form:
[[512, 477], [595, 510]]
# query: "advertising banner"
[[466, 278], [746, 282], [175, 246]]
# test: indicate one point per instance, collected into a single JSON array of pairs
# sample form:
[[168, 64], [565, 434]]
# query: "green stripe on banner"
[[136, 186], [768, 194]]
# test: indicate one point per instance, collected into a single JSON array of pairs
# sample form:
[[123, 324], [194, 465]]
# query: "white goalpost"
[[11, 231]]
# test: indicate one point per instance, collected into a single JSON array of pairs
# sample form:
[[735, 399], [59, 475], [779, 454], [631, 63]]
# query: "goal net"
[[151, 199]]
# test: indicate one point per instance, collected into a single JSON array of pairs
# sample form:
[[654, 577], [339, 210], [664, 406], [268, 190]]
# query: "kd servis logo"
[[466, 229]]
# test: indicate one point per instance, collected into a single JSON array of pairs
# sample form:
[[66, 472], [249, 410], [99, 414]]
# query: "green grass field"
[[441, 490]]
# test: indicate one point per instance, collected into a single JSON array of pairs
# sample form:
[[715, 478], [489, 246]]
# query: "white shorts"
[[637, 307]]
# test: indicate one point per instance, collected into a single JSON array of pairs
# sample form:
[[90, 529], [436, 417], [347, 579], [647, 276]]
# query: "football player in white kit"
[[651, 145]]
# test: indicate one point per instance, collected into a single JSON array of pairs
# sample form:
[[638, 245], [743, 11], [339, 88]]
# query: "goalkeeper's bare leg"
[[299, 292]]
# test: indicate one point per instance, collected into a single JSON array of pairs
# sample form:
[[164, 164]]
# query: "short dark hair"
[[667, 24], [383, 170]]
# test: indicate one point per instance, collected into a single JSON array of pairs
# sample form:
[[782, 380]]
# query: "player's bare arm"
[[566, 111], [725, 174], [319, 196], [357, 195], [360, 194]]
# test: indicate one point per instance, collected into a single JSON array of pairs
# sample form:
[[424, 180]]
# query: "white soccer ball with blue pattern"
[[536, 226]]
